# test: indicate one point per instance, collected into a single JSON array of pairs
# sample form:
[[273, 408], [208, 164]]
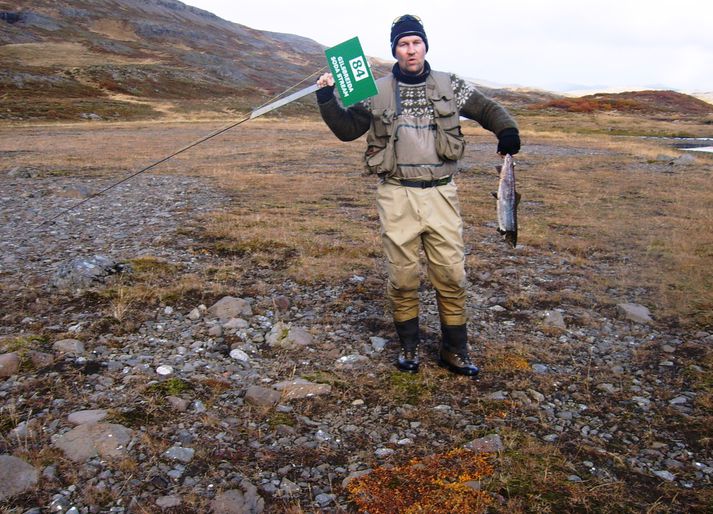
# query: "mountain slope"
[[62, 55]]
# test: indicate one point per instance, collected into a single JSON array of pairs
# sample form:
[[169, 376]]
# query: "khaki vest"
[[380, 157]]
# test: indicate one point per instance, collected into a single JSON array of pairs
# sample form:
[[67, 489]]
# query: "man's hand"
[[508, 141], [325, 80]]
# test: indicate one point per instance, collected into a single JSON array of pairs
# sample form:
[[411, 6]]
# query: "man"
[[413, 144]]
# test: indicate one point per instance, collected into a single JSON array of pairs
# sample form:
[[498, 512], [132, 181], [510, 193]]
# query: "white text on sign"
[[359, 68]]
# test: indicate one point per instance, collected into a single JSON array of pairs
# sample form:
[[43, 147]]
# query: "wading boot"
[[409, 339], [454, 351]]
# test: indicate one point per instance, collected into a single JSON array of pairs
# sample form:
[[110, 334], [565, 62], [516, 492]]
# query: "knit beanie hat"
[[406, 25]]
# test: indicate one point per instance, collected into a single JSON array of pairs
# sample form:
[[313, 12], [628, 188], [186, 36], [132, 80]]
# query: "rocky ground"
[[269, 396]]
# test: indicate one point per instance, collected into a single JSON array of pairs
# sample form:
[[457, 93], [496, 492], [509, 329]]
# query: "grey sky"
[[552, 44]]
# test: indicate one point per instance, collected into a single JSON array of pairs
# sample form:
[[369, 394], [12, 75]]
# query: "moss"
[[408, 387], [171, 387]]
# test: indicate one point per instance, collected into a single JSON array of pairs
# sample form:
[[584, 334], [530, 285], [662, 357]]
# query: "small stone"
[[235, 324], [354, 475], [168, 310], [540, 368], [178, 404], [679, 400], [70, 346], [498, 308], [301, 388], [282, 303], [16, 476], [378, 343], [9, 364], [350, 361], [489, 444], [497, 395], [607, 388], [107, 440], [383, 452], [239, 355], [41, 359], [550, 438], [635, 312], [262, 396], [194, 315], [665, 475], [164, 370], [574, 478], [288, 488], [554, 319], [180, 454], [667, 348], [324, 499], [234, 501], [215, 331], [168, 502], [229, 307], [87, 416], [536, 395], [358, 403]]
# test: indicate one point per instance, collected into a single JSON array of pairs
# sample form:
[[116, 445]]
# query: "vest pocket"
[[450, 144], [380, 160]]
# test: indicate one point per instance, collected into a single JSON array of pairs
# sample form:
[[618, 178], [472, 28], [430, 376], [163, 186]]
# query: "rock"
[[665, 475], [106, 440], [230, 307], [180, 454], [288, 488], [164, 370], [281, 302], [84, 272], [235, 324], [288, 336], [235, 501], [634, 312], [350, 361], [324, 499], [69, 346], [82, 417], [178, 404], [16, 476], [383, 452], [497, 395], [679, 400], [378, 343], [554, 319], [540, 369], [168, 502], [262, 396], [301, 388], [215, 331], [194, 315], [684, 160], [41, 359], [489, 444], [239, 355], [353, 475], [9, 364], [607, 388]]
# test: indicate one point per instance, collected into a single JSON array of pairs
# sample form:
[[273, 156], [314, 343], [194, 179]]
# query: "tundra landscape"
[[212, 335]]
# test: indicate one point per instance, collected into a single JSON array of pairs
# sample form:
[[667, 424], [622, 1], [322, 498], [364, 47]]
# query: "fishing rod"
[[266, 107]]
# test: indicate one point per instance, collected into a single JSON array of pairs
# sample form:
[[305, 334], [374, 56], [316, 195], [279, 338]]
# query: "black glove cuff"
[[325, 94], [510, 131]]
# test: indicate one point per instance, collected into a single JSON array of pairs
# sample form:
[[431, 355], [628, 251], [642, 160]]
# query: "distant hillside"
[[121, 58], [639, 102]]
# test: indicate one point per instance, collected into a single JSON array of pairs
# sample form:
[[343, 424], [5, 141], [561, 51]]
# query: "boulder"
[[9, 364], [16, 476], [634, 312], [230, 307], [106, 440]]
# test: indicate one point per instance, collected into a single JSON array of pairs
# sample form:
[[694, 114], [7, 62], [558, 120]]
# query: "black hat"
[[406, 25]]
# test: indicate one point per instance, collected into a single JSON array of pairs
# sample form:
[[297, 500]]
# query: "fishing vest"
[[410, 147]]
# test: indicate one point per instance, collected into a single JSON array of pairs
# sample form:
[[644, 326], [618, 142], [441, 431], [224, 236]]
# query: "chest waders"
[[416, 157]]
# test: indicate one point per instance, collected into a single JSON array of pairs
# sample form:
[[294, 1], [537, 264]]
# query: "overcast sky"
[[552, 44]]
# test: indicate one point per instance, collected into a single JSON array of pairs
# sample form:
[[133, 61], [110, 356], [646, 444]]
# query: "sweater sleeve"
[[347, 124], [476, 106]]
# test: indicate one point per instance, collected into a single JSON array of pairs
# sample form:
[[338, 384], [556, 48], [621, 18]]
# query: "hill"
[[639, 102], [130, 58]]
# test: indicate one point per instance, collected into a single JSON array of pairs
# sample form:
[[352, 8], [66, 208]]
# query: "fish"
[[507, 200]]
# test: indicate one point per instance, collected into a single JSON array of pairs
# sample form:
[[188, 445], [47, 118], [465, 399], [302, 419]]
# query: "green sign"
[[352, 75]]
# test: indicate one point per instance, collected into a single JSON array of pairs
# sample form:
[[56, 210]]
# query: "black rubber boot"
[[409, 338], [454, 351]]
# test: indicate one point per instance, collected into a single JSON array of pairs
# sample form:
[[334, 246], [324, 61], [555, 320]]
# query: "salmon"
[[507, 199]]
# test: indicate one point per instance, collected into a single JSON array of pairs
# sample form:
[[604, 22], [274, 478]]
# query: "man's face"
[[411, 54]]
